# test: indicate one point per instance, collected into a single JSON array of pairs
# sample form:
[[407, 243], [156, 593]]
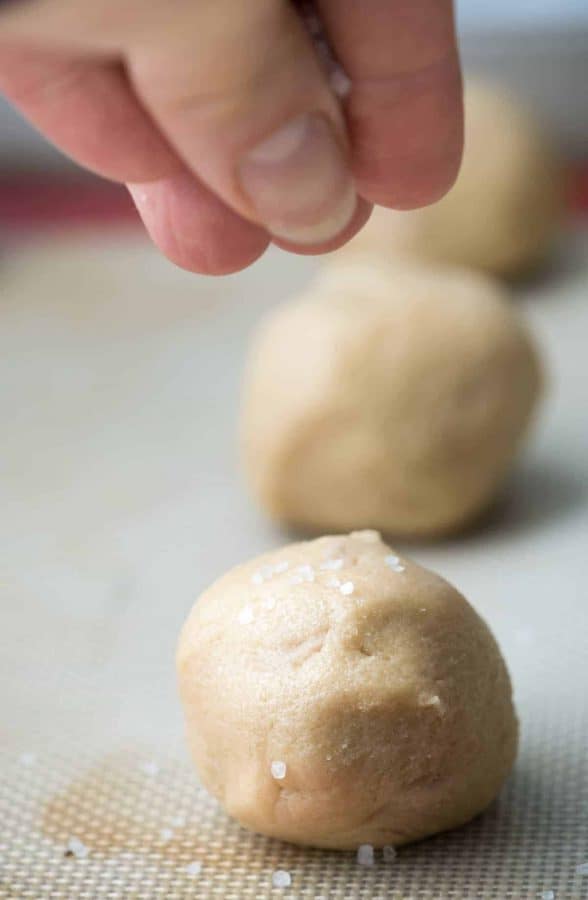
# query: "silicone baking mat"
[[122, 498]]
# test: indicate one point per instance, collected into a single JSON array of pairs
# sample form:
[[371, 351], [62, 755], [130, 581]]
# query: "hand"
[[220, 118]]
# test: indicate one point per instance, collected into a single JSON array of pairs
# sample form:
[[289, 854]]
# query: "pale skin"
[[223, 124]]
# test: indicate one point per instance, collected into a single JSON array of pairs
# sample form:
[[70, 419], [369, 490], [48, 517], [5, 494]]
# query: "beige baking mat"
[[121, 499]]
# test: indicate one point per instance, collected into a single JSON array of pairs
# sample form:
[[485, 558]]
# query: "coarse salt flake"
[[27, 759], [278, 769], [281, 879], [365, 855], [269, 602], [426, 699], [389, 853], [77, 848], [547, 895], [334, 583], [150, 768], [347, 588], [246, 616], [306, 572], [332, 565], [194, 868], [393, 562], [166, 834], [582, 869]]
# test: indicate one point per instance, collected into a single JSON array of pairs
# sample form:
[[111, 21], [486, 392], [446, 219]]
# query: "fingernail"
[[299, 183]]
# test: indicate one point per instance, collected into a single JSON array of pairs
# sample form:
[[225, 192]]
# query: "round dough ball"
[[390, 398], [504, 209], [337, 695]]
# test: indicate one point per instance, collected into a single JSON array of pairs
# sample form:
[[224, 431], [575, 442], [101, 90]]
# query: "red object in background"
[[32, 203]]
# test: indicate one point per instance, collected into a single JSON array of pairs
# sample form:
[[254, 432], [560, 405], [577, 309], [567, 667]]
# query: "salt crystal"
[[425, 699], [332, 565], [368, 536], [178, 821], [306, 572], [269, 602], [150, 768], [547, 895], [166, 834], [257, 578], [194, 868], [365, 855], [393, 562], [281, 567], [281, 879], [582, 869], [246, 616], [347, 588], [77, 848], [27, 759], [389, 853], [278, 769], [334, 583]]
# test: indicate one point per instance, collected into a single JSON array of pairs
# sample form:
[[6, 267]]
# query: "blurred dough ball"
[[504, 209], [337, 695], [387, 397]]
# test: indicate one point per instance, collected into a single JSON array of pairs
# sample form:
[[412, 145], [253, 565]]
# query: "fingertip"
[[194, 228], [408, 136], [360, 217]]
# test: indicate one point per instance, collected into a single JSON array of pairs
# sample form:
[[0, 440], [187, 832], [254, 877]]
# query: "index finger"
[[405, 107]]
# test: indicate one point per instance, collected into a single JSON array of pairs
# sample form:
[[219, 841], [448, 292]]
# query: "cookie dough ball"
[[504, 210], [390, 398], [336, 694]]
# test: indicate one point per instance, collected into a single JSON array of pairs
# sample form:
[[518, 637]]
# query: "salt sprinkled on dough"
[[389, 853], [246, 616], [194, 868], [281, 878], [393, 562], [429, 699], [303, 573], [368, 536], [347, 588], [27, 759], [267, 572], [77, 848], [365, 855], [150, 768], [332, 565], [166, 834], [278, 769]]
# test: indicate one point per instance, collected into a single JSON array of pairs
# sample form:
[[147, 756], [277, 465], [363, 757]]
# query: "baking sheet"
[[122, 499]]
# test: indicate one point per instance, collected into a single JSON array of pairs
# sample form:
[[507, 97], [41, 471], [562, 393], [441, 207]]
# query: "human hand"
[[221, 120]]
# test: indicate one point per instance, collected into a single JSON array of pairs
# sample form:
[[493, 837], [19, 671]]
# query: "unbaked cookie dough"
[[337, 695], [387, 397], [504, 209]]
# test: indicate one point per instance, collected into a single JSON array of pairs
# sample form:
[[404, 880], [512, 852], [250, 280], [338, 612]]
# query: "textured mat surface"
[[122, 499]]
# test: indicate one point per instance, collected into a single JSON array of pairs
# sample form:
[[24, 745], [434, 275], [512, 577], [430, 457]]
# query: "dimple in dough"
[[336, 694], [505, 208], [390, 397]]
